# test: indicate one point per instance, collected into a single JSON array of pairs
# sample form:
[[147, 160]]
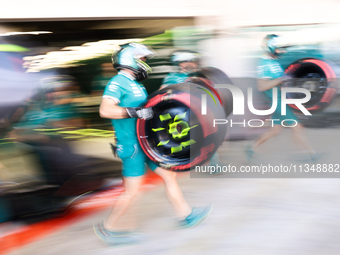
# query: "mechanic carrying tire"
[[270, 76], [123, 102]]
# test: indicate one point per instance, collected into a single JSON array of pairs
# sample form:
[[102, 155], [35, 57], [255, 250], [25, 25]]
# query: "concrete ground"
[[262, 216]]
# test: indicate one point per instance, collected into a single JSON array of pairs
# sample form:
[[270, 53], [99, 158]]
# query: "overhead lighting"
[[73, 55], [26, 33]]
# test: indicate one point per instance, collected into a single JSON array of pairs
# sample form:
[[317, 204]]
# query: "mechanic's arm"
[[265, 84], [163, 86], [109, 109]]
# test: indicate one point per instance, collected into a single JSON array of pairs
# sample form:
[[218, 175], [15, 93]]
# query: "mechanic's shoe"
[[116, 238], [249, 153], [215, 162], [197, 217], [316, 157], [310, 158], [218, 171]]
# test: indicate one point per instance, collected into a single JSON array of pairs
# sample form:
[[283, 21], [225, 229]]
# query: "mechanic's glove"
[[286, 77], [140, 112]]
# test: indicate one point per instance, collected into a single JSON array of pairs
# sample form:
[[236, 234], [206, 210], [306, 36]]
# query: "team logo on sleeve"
[[275, 68], [113, 87]]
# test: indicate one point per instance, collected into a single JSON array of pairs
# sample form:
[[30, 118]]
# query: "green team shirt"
[[126, 92], [174, 78], [270, 68]]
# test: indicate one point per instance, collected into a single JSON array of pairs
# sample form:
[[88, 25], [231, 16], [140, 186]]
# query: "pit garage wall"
[[236, 37], [225, 13], [228, 48], [76, 9]]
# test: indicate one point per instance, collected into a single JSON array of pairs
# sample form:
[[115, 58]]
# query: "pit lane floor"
[[251, 215]]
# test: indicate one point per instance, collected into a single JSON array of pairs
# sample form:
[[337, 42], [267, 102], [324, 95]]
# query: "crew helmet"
[[129, 57], [185, 56], [272, 42]]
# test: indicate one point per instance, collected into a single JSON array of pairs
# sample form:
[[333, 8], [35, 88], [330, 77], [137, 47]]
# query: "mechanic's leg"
[[301, 139], [131, 188], [270, 133], [174, 192]]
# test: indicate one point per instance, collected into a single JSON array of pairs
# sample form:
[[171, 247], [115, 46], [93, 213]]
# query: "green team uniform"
[[127, 92], [270, 68], [174, 78]]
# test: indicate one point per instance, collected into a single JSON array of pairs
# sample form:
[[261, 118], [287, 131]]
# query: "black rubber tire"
[[319, 77], [209, 77], [166, 139]]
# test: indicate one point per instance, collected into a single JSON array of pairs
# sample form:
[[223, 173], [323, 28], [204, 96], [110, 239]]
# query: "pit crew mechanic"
[[188, 61], [271, 75], [122, 102]]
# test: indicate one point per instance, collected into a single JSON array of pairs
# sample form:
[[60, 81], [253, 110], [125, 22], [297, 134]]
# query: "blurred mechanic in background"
[[99, 81], [123, 101], [271, 75], [188, 62]]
